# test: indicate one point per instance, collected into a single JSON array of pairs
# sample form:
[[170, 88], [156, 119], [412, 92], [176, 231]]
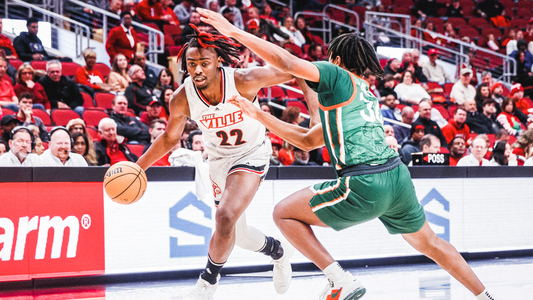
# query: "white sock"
[[485, 295], [334, 272]]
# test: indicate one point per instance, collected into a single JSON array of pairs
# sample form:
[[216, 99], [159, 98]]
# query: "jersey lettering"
[[224, 136], [210, 121]]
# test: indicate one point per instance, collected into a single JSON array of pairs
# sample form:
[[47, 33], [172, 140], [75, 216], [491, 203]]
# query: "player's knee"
[[225, 219], [279, 212]]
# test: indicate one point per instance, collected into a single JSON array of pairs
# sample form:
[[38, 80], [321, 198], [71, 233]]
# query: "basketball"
[[125, 182]]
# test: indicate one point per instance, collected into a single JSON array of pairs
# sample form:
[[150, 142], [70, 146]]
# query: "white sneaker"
[[282, 273], [202, 290], [348, 288]]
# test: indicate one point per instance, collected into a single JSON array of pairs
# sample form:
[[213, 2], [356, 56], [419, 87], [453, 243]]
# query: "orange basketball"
[[125, 182]]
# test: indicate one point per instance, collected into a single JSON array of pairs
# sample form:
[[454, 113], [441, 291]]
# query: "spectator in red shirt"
[[152, 11], [168, 11], [26, 84], [109, 150], [88, 75], [122, 39], [314, 53], [153, 110], [517, 93], [457, 150], [457, 126], [7, 45], [8, 98]]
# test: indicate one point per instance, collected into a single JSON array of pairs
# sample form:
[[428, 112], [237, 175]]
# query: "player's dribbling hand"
[[216, 20], [245, 105]]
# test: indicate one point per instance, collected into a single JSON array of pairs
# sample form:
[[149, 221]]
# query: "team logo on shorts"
[[216, 188]]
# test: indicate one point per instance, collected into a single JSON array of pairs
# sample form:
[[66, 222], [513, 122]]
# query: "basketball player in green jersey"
[[372, 182]]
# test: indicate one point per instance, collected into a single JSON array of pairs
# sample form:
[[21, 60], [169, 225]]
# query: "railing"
[[57, 21], [377, 18], [102, 21], [327, 29]]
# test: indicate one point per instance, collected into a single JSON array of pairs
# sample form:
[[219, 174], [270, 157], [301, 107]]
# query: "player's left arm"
[[303, 138], [311, 97], [250, 81]]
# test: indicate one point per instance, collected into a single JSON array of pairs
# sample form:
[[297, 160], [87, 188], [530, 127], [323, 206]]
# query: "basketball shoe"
[[202, 290], [282, 273], [347, 288]]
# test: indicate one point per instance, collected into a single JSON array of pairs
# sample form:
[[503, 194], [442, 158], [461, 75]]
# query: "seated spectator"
[[510, 42], [388, 130], [517, 93], [195, 142], [389, 109], [412, 144], [469, 65], [157, 127], [108, 150], [457, 126], [528, 57], [266, 27], [115, 7], [59, 151], [118, 78], [502, 20], [294, 34], [82, 147], [21, 143], [129, 127], [430, 126], [301, 158], [153, 110], [165, 100], [276, 143], [482, 94], [371, 79], [3, 148], [88, 75], [523, 147], [450, 32], [455, 10], [301, 25], [496, 92], [165, 79], [492, 43], [486, 77], [407, 58], [489, 9], [291, 115], [237, 16], [314, 53], [212, 5], [501, 155], [150, 80], [25, 115], [410, 92], [457, 149], [387, 87], [392, 142], [8, 98], [508, 120], [184, 11], [524, 75], [61, 91], [462, 90], [138, 95], [484, 122], [26, 84], [401, 133], [168, 12], [6, 45], [393, 67], [430, 34], [27, 45], [430, 144], [7, 123], [122, 39], [188, 30], [434, 71], [78, 126], [151, 11], [478, 149]]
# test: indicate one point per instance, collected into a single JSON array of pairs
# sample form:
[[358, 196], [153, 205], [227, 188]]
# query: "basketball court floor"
[[508, 279]]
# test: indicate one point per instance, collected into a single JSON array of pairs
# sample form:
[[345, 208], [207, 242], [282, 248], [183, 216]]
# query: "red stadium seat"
[[488, 30], [457, 22], [136, 149], [174, 50], [131, 113], [526, 4], [448, 88], [93, 133], [61, 116], [524, 13], [276, 92], [93, 116], [452, 108], [442, 111], [87, 100], [173, 30], [294, 95], [478, 22], [69, 68], [295, 48], [519, 23], [16, 63], [438, 22], [7, 111], [43, 116], [104, 100], [403, 3], [299, 104], [38, 65], [102, 68], [469, 32], [401, 10]]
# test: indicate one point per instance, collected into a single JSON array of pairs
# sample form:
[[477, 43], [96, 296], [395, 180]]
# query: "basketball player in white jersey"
[[238, 151]]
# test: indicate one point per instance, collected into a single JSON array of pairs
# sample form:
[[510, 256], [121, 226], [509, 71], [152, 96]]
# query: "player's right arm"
[[271, 53], [303, 138], [179, 111]]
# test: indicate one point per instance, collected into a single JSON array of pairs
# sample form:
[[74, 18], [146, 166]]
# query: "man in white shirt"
[[477, 154], [434, 71], [462, 90], [59, 151], [183, 11], [20, 145], [237, 16]]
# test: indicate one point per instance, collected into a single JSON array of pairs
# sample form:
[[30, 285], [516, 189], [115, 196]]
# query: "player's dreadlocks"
[[224, 46], [356, 54]]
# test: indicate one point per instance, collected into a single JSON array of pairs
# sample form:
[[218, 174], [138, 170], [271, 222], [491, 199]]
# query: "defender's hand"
[[247, 107], [218, 21]]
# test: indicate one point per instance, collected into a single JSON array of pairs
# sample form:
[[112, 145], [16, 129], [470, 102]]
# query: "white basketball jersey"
[[226, 130]]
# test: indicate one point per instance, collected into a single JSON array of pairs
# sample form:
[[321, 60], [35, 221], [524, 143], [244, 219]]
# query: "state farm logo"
[[42, 225]]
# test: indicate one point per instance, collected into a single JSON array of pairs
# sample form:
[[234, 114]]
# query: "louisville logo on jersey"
[[211, 121]]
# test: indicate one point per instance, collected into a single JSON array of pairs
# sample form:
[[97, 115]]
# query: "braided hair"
[[356, 54], [224, 46]]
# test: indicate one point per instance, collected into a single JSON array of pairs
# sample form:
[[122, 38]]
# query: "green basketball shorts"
[[389, 196]]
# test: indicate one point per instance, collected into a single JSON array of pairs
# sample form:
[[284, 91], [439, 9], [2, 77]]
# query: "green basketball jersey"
[[351, 118]]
